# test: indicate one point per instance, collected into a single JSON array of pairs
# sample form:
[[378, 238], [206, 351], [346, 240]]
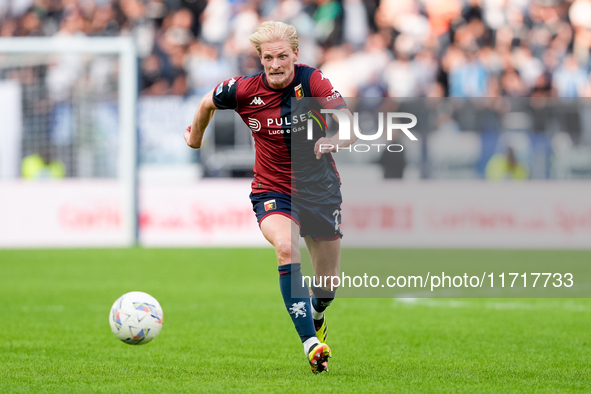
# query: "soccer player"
[[296, 188]]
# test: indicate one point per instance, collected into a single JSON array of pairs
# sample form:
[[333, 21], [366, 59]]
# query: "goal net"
[[68, 142]]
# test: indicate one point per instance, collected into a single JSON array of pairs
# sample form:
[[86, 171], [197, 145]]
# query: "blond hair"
[[271, 31]]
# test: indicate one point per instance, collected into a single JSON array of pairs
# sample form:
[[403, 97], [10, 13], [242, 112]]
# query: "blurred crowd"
[[398, 48]]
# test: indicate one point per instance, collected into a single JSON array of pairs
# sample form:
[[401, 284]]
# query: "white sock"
[[316, 315], [308, 343]]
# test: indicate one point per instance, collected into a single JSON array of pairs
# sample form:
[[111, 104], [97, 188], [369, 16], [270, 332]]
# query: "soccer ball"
[[136, 318]]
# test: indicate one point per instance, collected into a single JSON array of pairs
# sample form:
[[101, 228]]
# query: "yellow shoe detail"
[[318, 358], [321, 329]]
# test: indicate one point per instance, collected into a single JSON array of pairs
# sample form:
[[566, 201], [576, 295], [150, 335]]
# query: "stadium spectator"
[[503, 166], [496, 40], [468, 77], [38, 166], [337, 67], [355, 23], [432, 48], [569, 79], [204, 64], [373, 59], [328, 18], [405, 76]]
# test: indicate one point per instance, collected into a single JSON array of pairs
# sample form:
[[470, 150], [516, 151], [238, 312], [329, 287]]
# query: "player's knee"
[[286, 252], [326, 272], [283, 249], [327, 283]]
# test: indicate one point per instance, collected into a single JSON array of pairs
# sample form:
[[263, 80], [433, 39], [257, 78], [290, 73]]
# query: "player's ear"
[[297, 53]]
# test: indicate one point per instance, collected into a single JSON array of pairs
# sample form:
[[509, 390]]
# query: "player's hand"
[[187, 134], [324, 145]]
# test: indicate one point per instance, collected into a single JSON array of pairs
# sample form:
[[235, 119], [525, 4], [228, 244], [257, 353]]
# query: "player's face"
[[278, 59]]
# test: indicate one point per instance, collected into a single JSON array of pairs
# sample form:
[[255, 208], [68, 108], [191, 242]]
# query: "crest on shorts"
[[270, 205], [299, 92]]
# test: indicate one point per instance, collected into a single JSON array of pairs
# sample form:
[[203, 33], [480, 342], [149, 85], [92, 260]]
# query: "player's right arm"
[[224, 97], [205, 110]]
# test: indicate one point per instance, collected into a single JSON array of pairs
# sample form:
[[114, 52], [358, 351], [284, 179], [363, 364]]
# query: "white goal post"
[[125, 87]]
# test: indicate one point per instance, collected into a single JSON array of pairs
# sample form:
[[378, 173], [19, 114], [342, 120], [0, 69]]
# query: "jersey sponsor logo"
[[299, 92], [230, 83], [270, 205], [287, 120], [335, 95], [254, 125], [257, 101], [219, 89]]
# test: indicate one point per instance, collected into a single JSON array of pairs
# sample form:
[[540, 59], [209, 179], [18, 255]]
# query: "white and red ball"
[[136, 318]]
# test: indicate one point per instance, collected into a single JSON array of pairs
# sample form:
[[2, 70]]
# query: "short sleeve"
[[321, 88], [224, 95]]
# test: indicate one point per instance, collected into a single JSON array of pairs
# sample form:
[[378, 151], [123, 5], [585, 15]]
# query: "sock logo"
[[298, 309], [325, 304]]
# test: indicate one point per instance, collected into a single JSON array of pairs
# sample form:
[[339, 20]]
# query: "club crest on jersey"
[[219, 89], [270, 205], [257, 101], [299, 92]]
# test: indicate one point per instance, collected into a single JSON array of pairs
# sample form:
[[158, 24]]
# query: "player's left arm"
[[328, 97], [334, 143]]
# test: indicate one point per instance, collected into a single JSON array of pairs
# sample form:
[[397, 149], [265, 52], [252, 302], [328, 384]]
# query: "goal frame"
[[126, 50]]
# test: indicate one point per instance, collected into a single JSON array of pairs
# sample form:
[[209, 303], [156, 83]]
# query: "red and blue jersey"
[[285, 160]]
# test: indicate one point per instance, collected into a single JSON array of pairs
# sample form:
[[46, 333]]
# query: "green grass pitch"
[[226, 329]]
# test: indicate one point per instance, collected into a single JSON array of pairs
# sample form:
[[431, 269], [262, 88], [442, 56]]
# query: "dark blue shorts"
[[321, 221]]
